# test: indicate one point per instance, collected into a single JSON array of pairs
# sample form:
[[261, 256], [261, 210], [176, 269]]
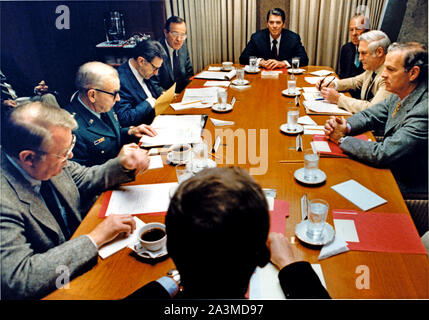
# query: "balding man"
[[372, 53], [99, 135], [42, 200]]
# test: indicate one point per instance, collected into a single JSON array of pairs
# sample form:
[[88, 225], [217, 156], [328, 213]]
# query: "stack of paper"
[[189, 105], [214, 75], [219, 83], [322, 107], [321, 73], [314, 80], [204, 95]]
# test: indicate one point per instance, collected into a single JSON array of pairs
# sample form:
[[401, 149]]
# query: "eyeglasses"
[[114, 94], [178, 35], [69, 151], [155, 68]]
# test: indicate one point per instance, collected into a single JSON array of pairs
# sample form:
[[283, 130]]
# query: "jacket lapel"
[[167, 62]]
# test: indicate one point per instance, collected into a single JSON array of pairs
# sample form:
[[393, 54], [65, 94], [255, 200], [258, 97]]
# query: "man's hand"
[[142, 129], [329, 94], [281, 250], [134, 158], [335, 128], [10, 103], [272, 64], [111, 227], [324, 84], [41, 88]]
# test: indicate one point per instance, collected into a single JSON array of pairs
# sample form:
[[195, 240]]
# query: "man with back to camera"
[[99, 136], [275, 46], [44, 198], [372, 53], [177, 67], [138, 95], [404, 119], [217, 228], [349, 63]]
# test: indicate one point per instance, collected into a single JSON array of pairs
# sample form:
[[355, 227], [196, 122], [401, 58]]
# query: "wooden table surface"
[[259, 112]]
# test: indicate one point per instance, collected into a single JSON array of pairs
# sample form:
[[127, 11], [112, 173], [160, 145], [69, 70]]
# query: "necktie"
[[396, 109], [54, 205], [357, 62], [178, 77], [274, 50], [369, 95], [105, 118]]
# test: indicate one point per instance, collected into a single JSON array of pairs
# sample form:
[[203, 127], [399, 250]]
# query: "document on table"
[[140, 199], [313, 130], [214, 75], [306, 120], [155, 162], [321, 73], [359, 195], [314, 80], [205, 95], [173, 129], [219, 123], [217, 83], [189, 105], [322, 107]]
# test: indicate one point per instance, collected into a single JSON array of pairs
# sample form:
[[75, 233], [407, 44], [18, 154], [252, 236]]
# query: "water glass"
[[222, 97], [292, 118], [291, 85], [252, 63], [240, 75], [317, 213], [183, 172], [311, 165], [199, 157], [295, 63]]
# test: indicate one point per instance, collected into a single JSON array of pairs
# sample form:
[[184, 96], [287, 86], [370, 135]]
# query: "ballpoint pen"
[[321, 82], [333, 78]]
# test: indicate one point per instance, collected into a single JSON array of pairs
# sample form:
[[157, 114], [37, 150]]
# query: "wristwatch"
[[175, 275], [341, 140]]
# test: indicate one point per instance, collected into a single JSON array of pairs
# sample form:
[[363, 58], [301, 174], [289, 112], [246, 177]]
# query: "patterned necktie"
[[274, 50], [369, 95], [357, 62], [396, 109]]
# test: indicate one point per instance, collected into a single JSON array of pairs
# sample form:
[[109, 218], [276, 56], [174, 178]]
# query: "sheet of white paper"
[[218, 123], [313, 80], [264, 283], [270, 201], [188, 105], [324, 107], [118, 244], [321, 146], [335, 247], [321, 73], [215, 68], [214, 75], [140, 199], [155, 162], [310, 89], [346, 230], [204, 95], [312, 96], [359, 195], [239, 87], [306, 120], [217, 83]]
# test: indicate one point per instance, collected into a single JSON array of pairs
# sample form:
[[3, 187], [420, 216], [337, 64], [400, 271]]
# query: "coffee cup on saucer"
[[227, 65], [180, 153], [152, 237]]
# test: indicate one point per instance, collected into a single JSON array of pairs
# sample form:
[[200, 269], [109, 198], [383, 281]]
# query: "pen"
[[321, 82], [184, 104], [333, 78]]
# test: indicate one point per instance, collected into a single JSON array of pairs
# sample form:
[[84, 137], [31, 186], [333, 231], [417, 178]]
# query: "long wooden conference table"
[[262, 106]]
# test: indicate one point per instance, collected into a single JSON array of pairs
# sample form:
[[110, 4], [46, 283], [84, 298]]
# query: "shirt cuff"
[[93, 242], [336, 84], [151, 102], [258, 61], [287, 63], [169, 285]]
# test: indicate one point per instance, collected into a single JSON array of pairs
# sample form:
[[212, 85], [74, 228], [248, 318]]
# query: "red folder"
[[383, 232], [336, 151]]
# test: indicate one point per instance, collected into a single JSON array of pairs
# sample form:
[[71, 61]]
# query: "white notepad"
[[359, 195]]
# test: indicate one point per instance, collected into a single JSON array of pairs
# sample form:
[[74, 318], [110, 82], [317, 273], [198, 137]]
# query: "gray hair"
[[376, 39], [363, 21], [28, 127], [415, 55], [93, 75]]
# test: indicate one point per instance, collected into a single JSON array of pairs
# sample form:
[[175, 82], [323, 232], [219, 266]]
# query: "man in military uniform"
[[99, 136]]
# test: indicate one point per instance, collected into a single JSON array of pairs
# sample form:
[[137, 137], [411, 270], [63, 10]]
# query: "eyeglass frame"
[[175, 34], [155, 68], [69, 151], [114, 94]]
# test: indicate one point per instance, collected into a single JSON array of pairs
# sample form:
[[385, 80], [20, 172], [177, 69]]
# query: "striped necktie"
[[396, 109]]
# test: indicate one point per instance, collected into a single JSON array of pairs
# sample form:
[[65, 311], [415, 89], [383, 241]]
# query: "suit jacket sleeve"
[[251, 49], [299, 281]]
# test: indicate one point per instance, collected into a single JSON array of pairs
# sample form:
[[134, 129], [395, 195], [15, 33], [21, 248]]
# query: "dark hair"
[[276, 12], [415, 55], [172, 19], [149, 49], [217, 223]]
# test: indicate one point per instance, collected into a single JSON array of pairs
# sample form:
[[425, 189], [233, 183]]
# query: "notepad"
[[359, 195]]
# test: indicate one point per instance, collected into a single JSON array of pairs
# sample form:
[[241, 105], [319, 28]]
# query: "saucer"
[[298, 129], [210, 164], [239, 83], [320, 176], [291, 94], [328, 234], [295, 71], [144, 253], [173, 161], [217, 108], [247, 69], [227, 70]]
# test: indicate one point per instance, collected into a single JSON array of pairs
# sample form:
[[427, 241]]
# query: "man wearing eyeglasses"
[[100, 137], [138, 94], [44, 198], [178, 67]]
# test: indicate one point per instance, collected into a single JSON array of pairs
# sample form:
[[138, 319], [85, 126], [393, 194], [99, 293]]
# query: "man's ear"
[[91, 95], [414, 73], [379, 52], [28, 157], [165, 33]]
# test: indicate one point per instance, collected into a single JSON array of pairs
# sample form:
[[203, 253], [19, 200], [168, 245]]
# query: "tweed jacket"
[[34, 251], [362, 82], [404, 148], [165, 78]]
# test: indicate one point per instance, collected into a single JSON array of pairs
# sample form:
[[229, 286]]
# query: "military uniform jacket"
[[96, 140]]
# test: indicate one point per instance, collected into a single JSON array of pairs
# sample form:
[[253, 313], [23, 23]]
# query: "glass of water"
[[252, 63], [240, 76], [291, 85], [311, 164], [295, 63], [317, 213], [199, 157], [222, 97], [292, 118]]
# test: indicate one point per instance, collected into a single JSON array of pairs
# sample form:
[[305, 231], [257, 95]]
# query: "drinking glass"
[[295, 63], [240, 76], [317, 213], [252, 63], [292, 118], [199, 157], [291, 85], [222, 96], [311, 164]]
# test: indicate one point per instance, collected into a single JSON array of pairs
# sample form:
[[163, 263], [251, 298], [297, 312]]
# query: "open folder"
[[324, 108], [164, 100]]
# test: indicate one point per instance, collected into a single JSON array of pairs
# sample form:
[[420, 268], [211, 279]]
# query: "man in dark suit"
[[275, 47], [217, 231], [177, 67], [42, 200], [137, 93], [350, 65], [99, 134]]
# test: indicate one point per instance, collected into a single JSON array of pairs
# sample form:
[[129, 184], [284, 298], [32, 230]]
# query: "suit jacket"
[[362, 82], [35, 254], [298, 281], [165, 78], [260, 47], [96, 140], [347, 65], [133, 109], [404, 148]]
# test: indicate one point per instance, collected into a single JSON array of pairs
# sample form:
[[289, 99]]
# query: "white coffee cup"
[[152, 236], [180, 153], [227, 65]]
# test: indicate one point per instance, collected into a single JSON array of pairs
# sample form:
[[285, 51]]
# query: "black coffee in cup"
[[154, 234], [180, 149]]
